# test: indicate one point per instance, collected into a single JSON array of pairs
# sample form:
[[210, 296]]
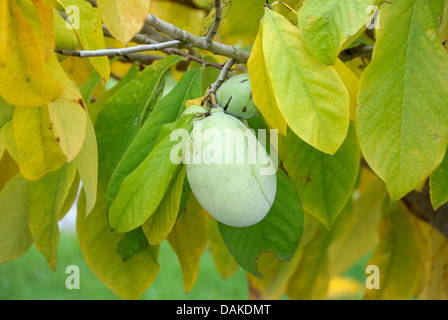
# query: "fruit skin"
[[235, 96], [234, 194]]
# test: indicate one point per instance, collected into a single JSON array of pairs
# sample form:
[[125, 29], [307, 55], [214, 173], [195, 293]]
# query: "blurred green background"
[[30, 278]]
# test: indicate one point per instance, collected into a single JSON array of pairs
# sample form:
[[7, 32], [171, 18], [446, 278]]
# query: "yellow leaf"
[[178, 14], [8, 168], [39, 15], [120, 68], [67, 113], [360, 223], [23, 79], [356, 65], [345, 288], [310, 95], [2, 147], [224, 261], [310, 279], [129, 279], [262, 92], [351, 82], [47, 37], [55, 4], [124, 18], [276, 276], [397, 256], [433, 283], [90, 32], [15, 237], [188, 240], [7, 136], [78, 69], [38, 150], [241, 22], [194, 102], [87, 165], [47, 197]]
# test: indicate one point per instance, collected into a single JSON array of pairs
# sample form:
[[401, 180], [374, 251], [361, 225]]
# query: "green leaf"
[[98, 105], [317, 109], [280, 231], [120, 119], [188, 240], [242, 21], [324, 182], [351, 82], [6, 112], [209, 74], [402, 120], [15, 236], [38, 150], [439, 184], [47, 197], [327, 25], [162, 221], [89, 32], [128, 279], [142, 191], [397, 256], [444, 26], [88, 88], [132, 244], [166, 111], [186, 190]]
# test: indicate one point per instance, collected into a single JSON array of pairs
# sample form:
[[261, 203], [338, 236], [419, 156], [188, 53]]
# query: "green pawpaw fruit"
[[235, 97], [230, 185]]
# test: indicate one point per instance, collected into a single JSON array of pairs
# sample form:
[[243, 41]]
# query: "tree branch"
[[141, 38], [215, 26], [174, 32], [419, 203], [145, 59], [118, 51], [215, 85]]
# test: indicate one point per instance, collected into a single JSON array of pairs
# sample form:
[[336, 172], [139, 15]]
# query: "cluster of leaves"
[[64, 120]]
